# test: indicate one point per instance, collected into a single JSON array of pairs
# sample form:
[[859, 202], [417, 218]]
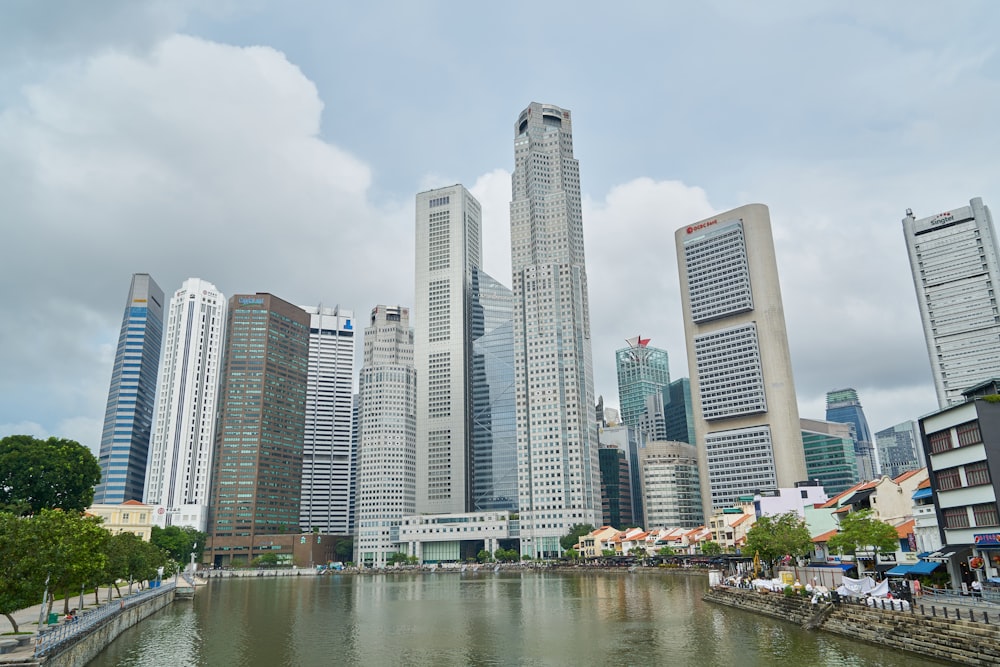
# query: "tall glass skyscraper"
[[329, 457], [558, 468], [899, 449], [745, 409], [182, 447], [128, 419], [257, 472], [956, 274], [643, 371], [843, 406], [494, 427], [830, 457], [679, 415]]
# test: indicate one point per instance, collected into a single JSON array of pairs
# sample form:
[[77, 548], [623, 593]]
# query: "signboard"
[[986, 539]]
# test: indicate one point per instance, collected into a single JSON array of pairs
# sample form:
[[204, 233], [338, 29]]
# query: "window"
[[977, 474], [948, 479], [968, 434], [940, 442], [956, 517], [985, 514]]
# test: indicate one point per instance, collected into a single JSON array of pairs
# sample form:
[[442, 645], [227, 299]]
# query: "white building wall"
[[181, 448]]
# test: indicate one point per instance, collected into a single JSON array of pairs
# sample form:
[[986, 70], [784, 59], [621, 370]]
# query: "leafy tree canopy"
[[46, 474], [179, 542], [711, 548], [20, 586], [575, 533], [858, 530], [774, 537]]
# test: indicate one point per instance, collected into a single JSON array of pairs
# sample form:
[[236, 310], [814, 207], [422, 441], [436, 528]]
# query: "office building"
[[616, 487], [843, 406], [448, 250], [678, 413], [387, 449], [899, 449], [329, 457], [179, 471], [671, 486], [830, 457], [257, 471], [643, 374], [128, 419], [628, 440], [494, 425], [558, 469], [742, 389], [956, 274]]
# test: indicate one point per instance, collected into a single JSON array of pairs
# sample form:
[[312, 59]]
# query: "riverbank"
[[961, 641]]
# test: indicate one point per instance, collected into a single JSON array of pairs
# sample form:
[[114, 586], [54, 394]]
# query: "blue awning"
[[923, 493], [900, 570], [924, 567], [843, 566]]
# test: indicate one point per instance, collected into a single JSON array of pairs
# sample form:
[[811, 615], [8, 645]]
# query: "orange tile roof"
[[904, 529], [133, 502], [741, 520], [925, 484], [908, 474], [825, 537]]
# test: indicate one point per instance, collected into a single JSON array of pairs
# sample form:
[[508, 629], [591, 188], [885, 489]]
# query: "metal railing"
[[54, 636], [987, 597]]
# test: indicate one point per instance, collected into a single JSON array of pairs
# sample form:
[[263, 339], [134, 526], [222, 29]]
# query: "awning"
[[858, 497], [843, 566], [899, 571], [940, 556], [924, 567], [923, 493]]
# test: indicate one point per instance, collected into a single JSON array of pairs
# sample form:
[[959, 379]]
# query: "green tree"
[[608, 553], [344, 549], [571, 554], [131, 558], [398, 557], [578, 530], [665, 551], [711, 548], [20, 585], [484, 556], [178, 542], [858, 530], [46, 474], [71, 549], [269, 559], [774, 537]]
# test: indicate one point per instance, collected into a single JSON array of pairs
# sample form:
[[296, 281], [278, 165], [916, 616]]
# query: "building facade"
[[128, 419], [257, 471], [616, 487], [899, 449], [844, 406], [629, 440], [387, 434], [329, 457], [742, 389], [679, 416], [181, 451], [643, 373], [829, 452], [671, 493], [956, 274], [448, 250], [558, 470]]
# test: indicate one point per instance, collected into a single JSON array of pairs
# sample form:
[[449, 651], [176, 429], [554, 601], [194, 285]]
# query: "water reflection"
[[509, 618]]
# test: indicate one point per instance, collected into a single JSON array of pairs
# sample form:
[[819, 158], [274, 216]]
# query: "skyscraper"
[[956, 274], [183, 442], [830, 457], [257, 472], [128, 418], [558, 470], [387, 451], [494, 427], [329, 457], [899, 449], [679, 415], [616, 487], [743, 392], [643, 371], [448, 250], [844, 406], [671, 496]]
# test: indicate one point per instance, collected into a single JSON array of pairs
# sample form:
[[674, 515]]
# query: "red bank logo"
[[701, 225]]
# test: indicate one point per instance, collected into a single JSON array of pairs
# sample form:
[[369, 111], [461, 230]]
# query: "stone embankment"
[[962, 641]]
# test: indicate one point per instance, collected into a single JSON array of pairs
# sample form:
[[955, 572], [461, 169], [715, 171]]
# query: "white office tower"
[[329, 458], [953, 256], [743, 395], [448, 249], [558, 466], [387, 449], [181, 448]]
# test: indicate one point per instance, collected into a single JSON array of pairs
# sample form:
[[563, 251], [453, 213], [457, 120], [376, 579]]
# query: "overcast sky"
[[277, 146]]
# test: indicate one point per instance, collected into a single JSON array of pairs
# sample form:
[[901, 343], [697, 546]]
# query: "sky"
[[278, 146]]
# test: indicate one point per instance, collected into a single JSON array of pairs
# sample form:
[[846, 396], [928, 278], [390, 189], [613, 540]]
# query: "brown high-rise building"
[[257, 470]]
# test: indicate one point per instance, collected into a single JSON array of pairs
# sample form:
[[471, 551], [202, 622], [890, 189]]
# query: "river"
[[530, 618]]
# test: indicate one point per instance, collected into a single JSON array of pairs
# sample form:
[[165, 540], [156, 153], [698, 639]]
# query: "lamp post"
[[45, 599], [194, 548]]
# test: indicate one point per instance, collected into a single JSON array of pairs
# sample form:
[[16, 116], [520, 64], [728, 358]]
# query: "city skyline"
[[161, 125]]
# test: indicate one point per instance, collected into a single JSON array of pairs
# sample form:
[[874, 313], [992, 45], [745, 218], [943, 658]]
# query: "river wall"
[[88, 645], [963, 642]]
